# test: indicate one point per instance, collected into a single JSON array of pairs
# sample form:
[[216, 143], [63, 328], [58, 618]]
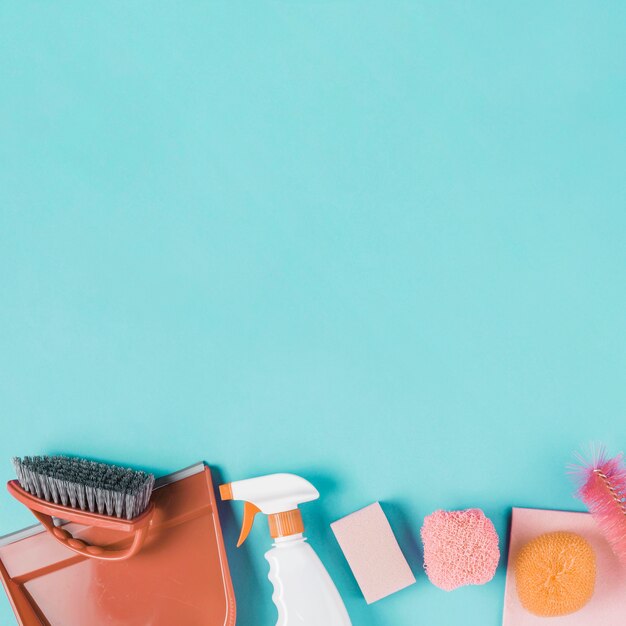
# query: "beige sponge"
[[373, 553]]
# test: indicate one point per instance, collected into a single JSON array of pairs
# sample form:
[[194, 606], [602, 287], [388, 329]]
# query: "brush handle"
[[44, 512], [66, 539]]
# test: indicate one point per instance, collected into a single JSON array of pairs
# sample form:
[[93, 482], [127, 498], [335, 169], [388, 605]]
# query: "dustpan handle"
[[66, 539]]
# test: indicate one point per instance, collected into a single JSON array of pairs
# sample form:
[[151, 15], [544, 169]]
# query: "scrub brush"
[[89, 493], [602, 487], [86, 485]]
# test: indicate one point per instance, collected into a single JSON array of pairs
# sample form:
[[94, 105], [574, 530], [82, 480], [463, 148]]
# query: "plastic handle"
[[44, 511], [65, 538]]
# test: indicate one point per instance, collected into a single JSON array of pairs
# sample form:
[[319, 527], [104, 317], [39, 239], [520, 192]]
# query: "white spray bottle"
[[304, 593]]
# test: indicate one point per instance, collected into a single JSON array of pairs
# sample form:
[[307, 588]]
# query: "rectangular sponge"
[[373, 553]]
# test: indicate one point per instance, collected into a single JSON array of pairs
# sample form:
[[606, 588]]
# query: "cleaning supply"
[[602, 487], [373, 553], [304, 593], [606, 607], [555, 574], [460, 548], [180, 577], [85, 492]]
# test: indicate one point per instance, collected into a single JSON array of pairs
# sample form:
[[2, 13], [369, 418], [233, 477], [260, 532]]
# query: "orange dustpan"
[[179, 577]]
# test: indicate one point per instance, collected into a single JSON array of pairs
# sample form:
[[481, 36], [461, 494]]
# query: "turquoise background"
[[378, 244]]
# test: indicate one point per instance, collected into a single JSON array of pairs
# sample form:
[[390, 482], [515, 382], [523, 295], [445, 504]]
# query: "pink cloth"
[[607, 607], [373, 553]]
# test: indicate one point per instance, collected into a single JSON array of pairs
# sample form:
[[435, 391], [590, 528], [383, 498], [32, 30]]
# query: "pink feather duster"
[[602, 487]]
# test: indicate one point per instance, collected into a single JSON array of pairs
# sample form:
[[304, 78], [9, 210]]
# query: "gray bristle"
[[86, 485]]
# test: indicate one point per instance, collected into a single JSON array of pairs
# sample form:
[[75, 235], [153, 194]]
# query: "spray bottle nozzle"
[[226, 492], [275, 495]]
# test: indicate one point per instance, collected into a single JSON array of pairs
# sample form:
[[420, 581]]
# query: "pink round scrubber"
[[460, 548]]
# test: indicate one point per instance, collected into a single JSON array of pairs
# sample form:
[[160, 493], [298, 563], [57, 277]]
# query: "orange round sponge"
[[555, 574]]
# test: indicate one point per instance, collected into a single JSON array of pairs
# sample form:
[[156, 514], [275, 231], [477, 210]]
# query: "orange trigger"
[[249, 512]]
